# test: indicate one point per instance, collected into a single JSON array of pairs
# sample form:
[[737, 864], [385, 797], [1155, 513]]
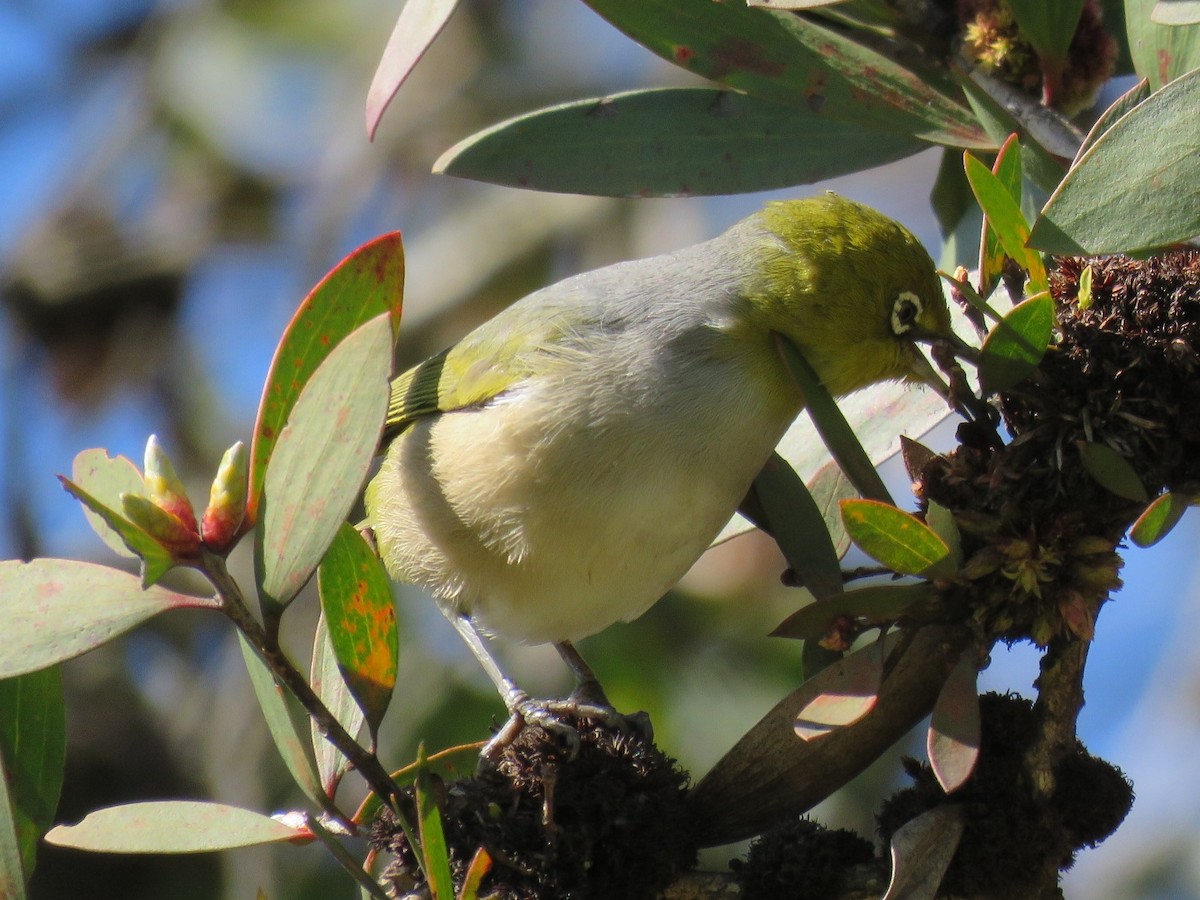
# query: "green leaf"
[[1156, 522], [941, 520], [781, 57], [670, 142], [1161, 53], [106, 479], [798, 527], [1015, 346], [329, 685], [830, 486], [321, 460], [952, 741], [433, 839], [1122, 105], [356, 599], [1101, 205], [1007, 169], [172, 826], [420, 22], [33, 749], [1006, 219], [831, 424], [871, 605], [156, 560], [481, 864], [370, 281], [1112, 471], [286, 720], [896, 539], [1048, 26], [12, 823], [56, 609], [1176, 12]]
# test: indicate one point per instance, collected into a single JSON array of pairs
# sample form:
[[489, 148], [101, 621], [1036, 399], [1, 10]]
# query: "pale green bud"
[[226, 500], [164, 486]]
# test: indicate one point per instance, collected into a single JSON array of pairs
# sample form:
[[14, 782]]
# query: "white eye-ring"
[[905, 312]]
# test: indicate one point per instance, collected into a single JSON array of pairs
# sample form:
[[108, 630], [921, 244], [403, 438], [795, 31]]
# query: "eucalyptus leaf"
[[1015, 346], [1160, 52], [1158, 519], [1006, 219], [156, 560], [1176, 12], [953, 738], [329, 685], [851, 691], [921, 850], [1113, 471], [870, 605], [1049, 26], [896, 539], [671, 142], [12, 870], [1101, 207], [1119, 107], [106, 478]]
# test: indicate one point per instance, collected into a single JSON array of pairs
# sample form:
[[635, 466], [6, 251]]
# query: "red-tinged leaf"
[[321, 460], [1113, 471], [1005, 217], [156, 560], [286, 721], [370, 281], [851, 689], [481, 864], [953, 738], [1007, 169], [868, 605], [1156, 522], [105, 479], [1015, 346], [898, 540], [33, 749], [56, 609], [327, 681], [921, 850], [173, 826], [420, 22], [356, 598]]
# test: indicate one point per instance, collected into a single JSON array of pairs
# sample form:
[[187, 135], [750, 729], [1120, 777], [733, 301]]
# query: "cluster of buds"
[[167, 515]]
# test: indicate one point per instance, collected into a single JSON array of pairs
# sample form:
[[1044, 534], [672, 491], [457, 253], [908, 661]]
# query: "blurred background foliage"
[[174, 176]]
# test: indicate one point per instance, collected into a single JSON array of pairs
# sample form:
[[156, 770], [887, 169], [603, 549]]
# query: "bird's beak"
[[922, 370]]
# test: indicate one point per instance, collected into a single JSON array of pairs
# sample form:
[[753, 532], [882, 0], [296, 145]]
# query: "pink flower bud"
[[226, 500], [165, 489]]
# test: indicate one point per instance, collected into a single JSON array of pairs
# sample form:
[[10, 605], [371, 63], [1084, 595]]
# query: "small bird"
[[562, 466]]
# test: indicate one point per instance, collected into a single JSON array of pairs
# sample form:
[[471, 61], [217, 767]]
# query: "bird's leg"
[[588, 697]]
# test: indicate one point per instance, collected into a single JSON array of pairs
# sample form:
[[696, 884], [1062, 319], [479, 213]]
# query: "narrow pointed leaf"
[[1007, 169], [481, 864], [56, 609], [781, 57], [1156, 522], [330, 686], [851, 691], [1015, 347], [831, 424], [671, 142], [12, 870], [941, 520], [1149, 152], [829, 487], [871, 605], [433, 838], [105, 479], [1048, 26], [1160, 52], [356, 599], [321, 459], [1113, 471], [798, 527], [921, 850], [1006, 219], [953, 738], [173, 826], [286, 721], [1047, 140], [420, 22], [1122, 105], [896, 539], [33, 749], [155, 559], [368, 282]]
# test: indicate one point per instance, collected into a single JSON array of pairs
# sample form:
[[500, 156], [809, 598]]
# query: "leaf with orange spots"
[[356, 598], [368, 282], [898, 540]]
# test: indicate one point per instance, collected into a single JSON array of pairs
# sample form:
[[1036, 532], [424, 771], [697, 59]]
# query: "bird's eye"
[[905, 312]]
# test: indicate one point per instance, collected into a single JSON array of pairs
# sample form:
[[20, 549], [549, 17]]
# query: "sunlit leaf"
[[156, 560], [851, 691], [433, 838], [1007, 169], [173, 826], [896, 539], [1006, 219], [1156, 522], [781, 57], [329, 685], [828, 488], [954, 731], [1113, 471], [1014, 347], [1149, 152], [368, 282], [33, 749], [321, 459], [356, 598], [921, 851], [481, 864], [420, 22], [941, 520], [671, 142], [1176, 12], [1122, 105], [56, 609], [106, 478], [1160, 52]]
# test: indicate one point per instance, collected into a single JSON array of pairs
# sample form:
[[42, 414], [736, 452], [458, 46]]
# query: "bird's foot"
[[562, 718]]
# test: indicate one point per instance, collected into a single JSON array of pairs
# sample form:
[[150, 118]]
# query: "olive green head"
[[853, 289]]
